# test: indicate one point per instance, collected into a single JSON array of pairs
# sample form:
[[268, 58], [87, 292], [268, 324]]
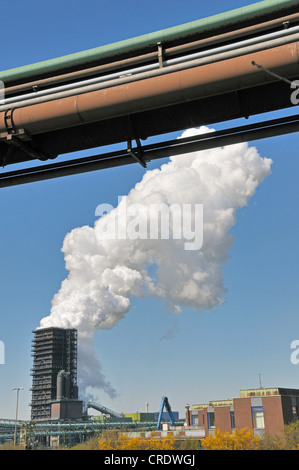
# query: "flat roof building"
[[258, 409]]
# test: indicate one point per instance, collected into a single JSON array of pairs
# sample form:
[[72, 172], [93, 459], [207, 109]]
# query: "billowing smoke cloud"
[[107, 269]]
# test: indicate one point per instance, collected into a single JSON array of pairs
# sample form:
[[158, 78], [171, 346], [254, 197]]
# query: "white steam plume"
[[106, 272]]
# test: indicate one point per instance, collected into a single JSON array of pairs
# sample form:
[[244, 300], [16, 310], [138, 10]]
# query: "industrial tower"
[[54, 352]]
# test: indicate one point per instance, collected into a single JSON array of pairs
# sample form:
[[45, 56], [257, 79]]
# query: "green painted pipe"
[[141, 43]]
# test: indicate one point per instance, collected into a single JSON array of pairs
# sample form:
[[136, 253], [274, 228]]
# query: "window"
[[258, 417], [294, 408], [195, 419], [211, 420], [232, 419]]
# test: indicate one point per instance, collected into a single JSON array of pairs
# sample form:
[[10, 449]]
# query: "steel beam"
[[165, 149]]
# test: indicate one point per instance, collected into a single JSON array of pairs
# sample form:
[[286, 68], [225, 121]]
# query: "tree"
[[112, 440], [240, 439], [286, 439]]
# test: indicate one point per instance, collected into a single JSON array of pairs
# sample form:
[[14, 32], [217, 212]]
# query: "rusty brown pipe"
[[168, 52], [153, 93]]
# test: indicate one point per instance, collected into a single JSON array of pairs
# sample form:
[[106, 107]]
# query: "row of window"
[[256, 412]]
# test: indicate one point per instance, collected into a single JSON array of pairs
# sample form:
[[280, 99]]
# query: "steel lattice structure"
[[54, 349]]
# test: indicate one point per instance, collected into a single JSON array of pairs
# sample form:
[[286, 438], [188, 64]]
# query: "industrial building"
[[58, 417], [54, 375], [262, 409], [150, 417]]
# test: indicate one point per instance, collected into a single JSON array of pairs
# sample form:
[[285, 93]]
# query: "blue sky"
[[193, 357]]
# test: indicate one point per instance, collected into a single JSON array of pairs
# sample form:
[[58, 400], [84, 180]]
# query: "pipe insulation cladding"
[[155, 92]]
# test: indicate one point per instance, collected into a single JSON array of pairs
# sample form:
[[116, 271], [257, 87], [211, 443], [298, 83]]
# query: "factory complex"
[[60, 418]]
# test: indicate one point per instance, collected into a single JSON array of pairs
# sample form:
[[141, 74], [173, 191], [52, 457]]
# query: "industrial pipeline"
[[228, 51], [225, 67]]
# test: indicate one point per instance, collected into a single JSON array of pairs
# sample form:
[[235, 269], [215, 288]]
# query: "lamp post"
[[17, 406]]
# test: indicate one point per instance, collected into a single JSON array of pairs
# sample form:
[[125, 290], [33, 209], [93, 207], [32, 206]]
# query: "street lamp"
[[17, 406]]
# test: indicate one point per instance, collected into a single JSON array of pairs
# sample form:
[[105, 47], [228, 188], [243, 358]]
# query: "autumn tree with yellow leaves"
[[112, 440], [241, 439]]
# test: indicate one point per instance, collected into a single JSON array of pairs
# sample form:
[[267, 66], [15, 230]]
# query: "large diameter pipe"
[[219, 53], [146, 72], [153, 93]]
